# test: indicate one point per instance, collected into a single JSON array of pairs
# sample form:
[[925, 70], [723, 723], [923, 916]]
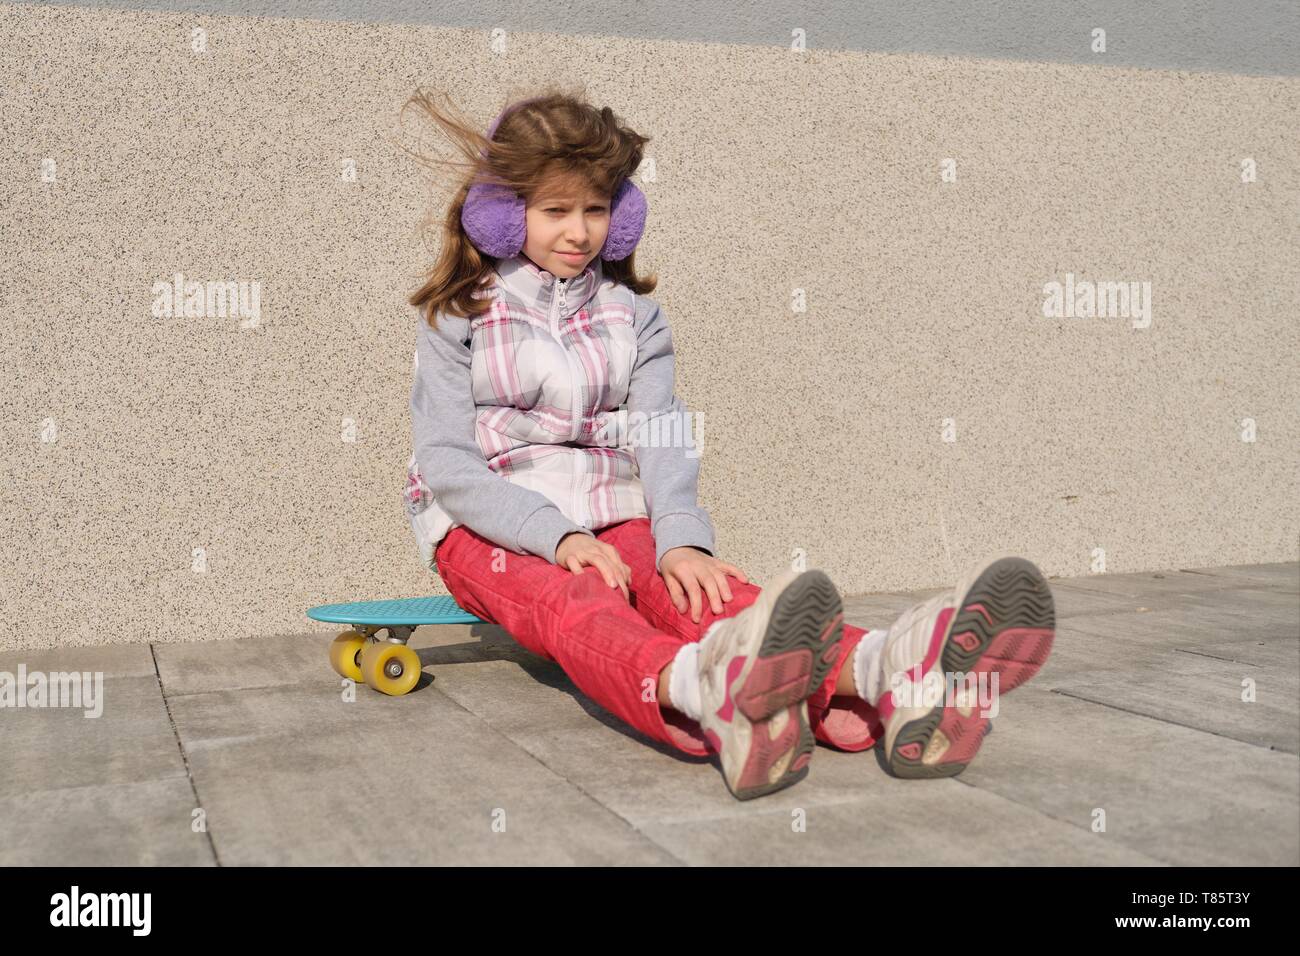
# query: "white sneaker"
[[997, 623], [756, 674]]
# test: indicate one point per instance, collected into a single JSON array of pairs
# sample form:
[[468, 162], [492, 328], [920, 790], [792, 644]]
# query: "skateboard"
[[386, 665]]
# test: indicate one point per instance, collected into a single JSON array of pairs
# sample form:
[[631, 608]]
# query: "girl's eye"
[[592, 209]]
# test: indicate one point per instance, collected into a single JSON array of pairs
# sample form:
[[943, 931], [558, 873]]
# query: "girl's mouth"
[[574, 256]]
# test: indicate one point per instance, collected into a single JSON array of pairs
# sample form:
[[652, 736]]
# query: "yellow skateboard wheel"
[[345, 654], [392, 669]]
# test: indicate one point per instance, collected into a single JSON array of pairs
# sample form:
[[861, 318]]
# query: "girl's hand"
[[577, 549], [686, 570]]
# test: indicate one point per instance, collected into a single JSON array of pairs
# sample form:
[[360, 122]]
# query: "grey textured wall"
[[864, 339]]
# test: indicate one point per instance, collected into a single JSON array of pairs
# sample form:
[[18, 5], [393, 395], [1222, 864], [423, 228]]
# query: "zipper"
[[575, 377], [557, 304]]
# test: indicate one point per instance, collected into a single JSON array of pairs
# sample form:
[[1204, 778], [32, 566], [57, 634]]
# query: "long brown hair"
[[558, 136]]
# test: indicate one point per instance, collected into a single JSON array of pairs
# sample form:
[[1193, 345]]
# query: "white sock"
[[867, 677], [684, 685]]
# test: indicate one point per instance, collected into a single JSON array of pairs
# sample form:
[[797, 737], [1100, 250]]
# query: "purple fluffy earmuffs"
[[493, 215]]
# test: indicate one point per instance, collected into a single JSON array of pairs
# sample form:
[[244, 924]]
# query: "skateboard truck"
[[388, 665]]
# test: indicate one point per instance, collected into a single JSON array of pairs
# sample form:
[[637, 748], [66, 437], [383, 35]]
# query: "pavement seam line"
[[185, 757], [1215, 657], [1175, 723], [573, 783], [316, 680], [1069, 823]]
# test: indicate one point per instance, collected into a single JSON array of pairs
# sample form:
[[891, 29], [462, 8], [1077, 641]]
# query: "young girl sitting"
[[542, 491]]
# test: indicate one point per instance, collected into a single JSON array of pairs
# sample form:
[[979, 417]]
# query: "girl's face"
[[560, 221]]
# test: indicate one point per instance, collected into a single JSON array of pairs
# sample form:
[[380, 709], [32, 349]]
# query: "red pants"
[[612, 650]]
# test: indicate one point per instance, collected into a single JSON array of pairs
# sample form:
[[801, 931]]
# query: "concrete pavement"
[[244, 752]]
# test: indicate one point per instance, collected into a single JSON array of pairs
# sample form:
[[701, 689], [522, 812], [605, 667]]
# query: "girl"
[[542, 493]]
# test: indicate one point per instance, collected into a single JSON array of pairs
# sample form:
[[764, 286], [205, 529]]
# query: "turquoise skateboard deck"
[[386, 665]]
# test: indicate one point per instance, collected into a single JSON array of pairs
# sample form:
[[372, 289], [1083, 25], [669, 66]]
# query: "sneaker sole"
[[780, 752], [800, 646], [1005, 624]]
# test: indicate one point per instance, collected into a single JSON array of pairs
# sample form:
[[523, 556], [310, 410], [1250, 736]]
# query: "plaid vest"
[[551, 362]]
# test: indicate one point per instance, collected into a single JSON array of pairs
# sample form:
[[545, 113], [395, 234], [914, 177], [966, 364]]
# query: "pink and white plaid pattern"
[[551, 391]]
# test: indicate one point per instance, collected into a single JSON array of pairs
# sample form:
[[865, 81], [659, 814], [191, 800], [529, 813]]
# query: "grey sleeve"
[[443, 421], [669, 469]]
